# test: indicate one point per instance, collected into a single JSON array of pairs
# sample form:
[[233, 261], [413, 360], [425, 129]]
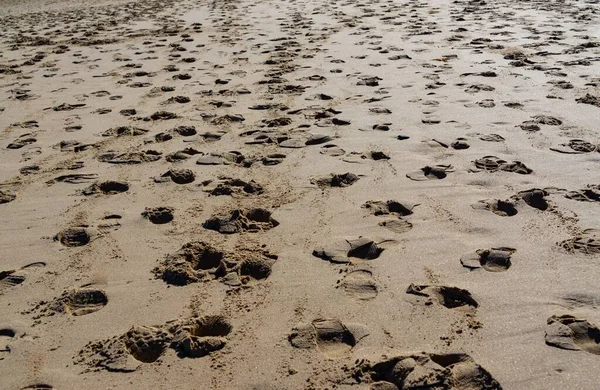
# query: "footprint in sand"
[[130, 157], [198, 260], [360, 285], [158, 215], [345, 250], [329, 336], [335, 180], [12, 278], [499, 207], [179, 176], [237, 221], [588, 242], [495, 164], [109, 187], [73, 236], [190, 337], [425, 370], [6, 196], [493, 260], [589, 194], [230, 186], [75, 302], [436, 172], [449, 297], [572, 333]]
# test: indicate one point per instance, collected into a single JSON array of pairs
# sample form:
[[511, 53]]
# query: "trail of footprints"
[[180, 92]]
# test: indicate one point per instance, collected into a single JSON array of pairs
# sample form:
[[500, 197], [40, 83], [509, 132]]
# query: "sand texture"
[[306, 194]]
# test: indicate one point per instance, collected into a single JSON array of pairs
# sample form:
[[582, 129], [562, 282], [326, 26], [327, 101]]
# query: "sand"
[[299, 194]]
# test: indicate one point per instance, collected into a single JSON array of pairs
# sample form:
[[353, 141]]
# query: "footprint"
[[572, 333], [360, 285], [11, 278], [237, 221], [159, 215], [329, 336], [106, 187], [76, 178], [430, 173], [6, 334], [589, 194], [449, 297], [535, 198], [426, 370], [332, 150], [130, 157], [588, 242], [576, 146], [494, 164], [73, 236], [335, 180], [179, 176], [493, 260], [198, 260], [124, 131], [77, 302], [23, 140], [400, 209], [6, 196], [230, 186], [341, 251], [192, 337], [498, 207]]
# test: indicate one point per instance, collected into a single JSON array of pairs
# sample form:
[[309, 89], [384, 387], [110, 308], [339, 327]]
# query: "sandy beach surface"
[[301, 194]]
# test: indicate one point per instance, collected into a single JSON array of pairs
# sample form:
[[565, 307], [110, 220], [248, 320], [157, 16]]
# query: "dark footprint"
[[341, 251], [77, 302], [230, 186], [535, 198], [335, 180], [330, 336], [73, 236], [498, 207], [237, 221], [569, 332], [360, 285], [124, 131], [24, 140], [180, 176], [588, 242], [589, 194], [426, 371], [6, 197], [449, 297], [159, 215], [430, 173], [38, 386], [106, 187], [401, 209], [493, 260]]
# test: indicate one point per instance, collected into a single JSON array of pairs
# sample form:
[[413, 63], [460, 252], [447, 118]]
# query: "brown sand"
[[299, 194]]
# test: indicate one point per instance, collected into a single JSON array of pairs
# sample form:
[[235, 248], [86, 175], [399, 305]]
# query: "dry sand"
[[299, 194]]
